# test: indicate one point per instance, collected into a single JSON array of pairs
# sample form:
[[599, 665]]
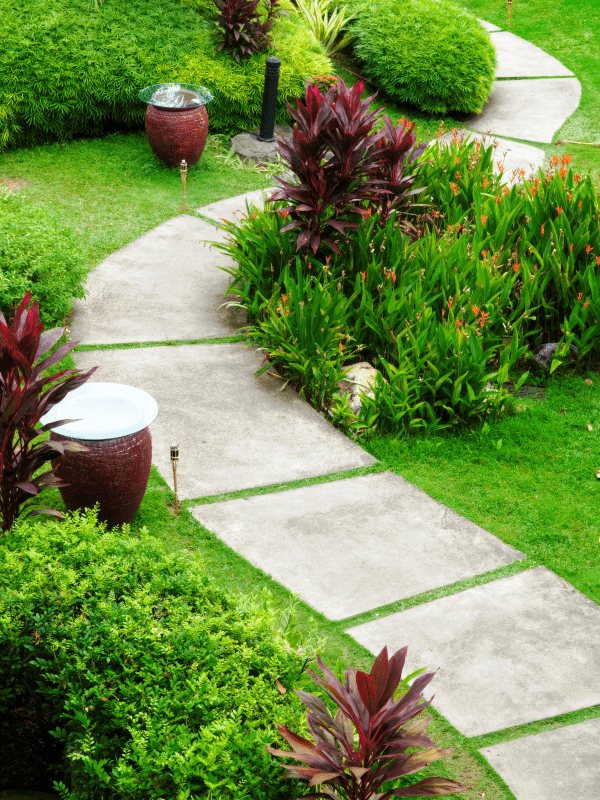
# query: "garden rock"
[[359, 380], [545, 353]]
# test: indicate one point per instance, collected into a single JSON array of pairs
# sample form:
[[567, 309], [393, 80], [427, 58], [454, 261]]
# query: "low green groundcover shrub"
[[156, 682], [429, 53], [38, 255], [69, 70]]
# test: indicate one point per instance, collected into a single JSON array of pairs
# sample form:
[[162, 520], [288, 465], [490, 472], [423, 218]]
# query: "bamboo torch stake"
[[183, 168], [509, 7]]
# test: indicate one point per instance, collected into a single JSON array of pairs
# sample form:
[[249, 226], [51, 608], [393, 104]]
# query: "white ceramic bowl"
[[104, 411]]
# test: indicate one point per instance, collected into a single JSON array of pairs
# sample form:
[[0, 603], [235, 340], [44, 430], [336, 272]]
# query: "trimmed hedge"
[[69, 70], [157, 682], [36, 254], [429, 53]]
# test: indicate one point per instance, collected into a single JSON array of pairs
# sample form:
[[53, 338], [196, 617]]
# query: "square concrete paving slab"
[[488, 25], [518, 58], [235, 431], [532, 110], [234, 208], [165, 285], [513, 155], [511, 651], [562, 763], [353, 545]]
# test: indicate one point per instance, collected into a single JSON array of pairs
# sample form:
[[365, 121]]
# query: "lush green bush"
[[36, 254], [70, 70], [429, 53], [445, 319], [157, 683]]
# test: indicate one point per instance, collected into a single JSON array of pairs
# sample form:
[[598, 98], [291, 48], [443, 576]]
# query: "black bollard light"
[[269, 106]]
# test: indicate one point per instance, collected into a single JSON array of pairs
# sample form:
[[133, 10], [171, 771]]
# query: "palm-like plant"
[[326, 28]]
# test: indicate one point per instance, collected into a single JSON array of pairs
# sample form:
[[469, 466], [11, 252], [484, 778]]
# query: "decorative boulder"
[[545, 353], [359, 380]]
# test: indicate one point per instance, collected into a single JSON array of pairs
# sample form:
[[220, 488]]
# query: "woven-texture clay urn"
[[176, 121], [113, 473], [111, 421], [177, 134]]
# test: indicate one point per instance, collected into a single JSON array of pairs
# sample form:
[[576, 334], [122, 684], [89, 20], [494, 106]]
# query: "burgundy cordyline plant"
[[241, 32], [365, 745], [22, 403], [360, 165]]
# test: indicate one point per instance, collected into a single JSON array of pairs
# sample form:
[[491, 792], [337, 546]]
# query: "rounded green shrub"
[[70, 70], [157, 683], [38, 254], [428, 53]]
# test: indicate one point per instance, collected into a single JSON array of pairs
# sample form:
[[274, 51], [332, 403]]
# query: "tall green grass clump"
[[428, 53], [70, 70], [151, 681], [37, 254]]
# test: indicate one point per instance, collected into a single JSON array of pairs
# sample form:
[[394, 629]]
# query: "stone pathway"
[[511, 651]]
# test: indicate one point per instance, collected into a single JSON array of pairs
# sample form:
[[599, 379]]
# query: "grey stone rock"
[[357, 382], [545, 353]]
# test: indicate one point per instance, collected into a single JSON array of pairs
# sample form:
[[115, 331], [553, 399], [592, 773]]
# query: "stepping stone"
[[513, 155], [356, 544], [560, 763], [235, 431], [518, 58], [511, 651], [234, 208], [165, 285], [532, 110], [488, 25]]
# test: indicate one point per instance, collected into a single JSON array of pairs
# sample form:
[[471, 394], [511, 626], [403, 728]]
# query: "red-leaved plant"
[[22, 405], [363, 165], [365, 745], [241, 31]]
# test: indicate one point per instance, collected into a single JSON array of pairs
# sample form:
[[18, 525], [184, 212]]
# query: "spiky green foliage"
[[429, 53]]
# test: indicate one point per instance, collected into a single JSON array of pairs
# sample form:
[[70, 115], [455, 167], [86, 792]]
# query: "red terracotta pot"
[[113, 472], [177, 134]]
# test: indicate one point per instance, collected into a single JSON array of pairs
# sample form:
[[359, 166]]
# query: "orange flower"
[[364, 274], [559, 210], [341, 346], [458, 323], [284, 298], [588, 248], [457, 161], [571, 247], [580, 205], [580, 295], [284, 213], [566, 160], [482, 318], [516, 266], [485, 182], [586, 304], [454, 188], [542, 230], [483, 254], [554, 160], [598, 261], [483, 220], [393, 277], [498, 199], [450, 301], [443, 311], [563, 173], [475, 310], [505, 191]]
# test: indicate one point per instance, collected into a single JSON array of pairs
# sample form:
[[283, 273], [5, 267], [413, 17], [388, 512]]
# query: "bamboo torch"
[[183, 168], [174, 460]]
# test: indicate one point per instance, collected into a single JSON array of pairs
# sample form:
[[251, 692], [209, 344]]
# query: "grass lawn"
[[531, 480]]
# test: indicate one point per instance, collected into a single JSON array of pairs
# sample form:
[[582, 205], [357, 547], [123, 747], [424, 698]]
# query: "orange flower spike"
[[475, 310], [563, 173], [284, 298], [498, 199], [364, 274], [579, 205], [542, 230], [483, 254], [580, 295], [327, 260], [483, 317], [586, 304], [443, 311], [598, 261], [554, 160], [393, 277], [483, 220], [506, 191], [588, 249], [571, 248], [485, 182], [559, 211], [516, 266]]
